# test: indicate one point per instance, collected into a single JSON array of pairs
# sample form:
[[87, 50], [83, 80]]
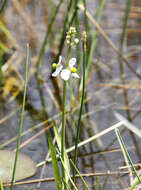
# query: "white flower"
[[71, 71], [65, 74], [58, 67]]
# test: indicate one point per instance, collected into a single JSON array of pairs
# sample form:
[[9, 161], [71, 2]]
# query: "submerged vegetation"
[[70, 94]]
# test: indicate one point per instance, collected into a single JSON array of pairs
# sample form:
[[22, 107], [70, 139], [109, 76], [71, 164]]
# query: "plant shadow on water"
[[27, 22]]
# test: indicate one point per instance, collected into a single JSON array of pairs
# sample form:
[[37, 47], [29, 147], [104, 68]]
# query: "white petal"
[[57, 71], [65, 74], [75, 75], [72, 62], [60, 59]]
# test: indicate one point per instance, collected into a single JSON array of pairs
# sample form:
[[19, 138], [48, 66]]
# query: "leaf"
[[55, 164], [66, 159], [26, 167]]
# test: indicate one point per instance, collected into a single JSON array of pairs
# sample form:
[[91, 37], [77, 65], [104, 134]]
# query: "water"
[[102, 100]]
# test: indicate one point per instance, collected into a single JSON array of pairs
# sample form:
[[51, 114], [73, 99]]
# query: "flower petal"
[[72, 62], [65, 74], [60, 59], [57, 71], [75, 75]]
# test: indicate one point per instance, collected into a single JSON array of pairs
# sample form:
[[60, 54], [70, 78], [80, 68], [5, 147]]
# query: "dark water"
[[102, 99]]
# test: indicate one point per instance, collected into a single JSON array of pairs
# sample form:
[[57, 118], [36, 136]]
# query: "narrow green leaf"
[[54, 163], [86, 185], [66, 159], [68, 174]]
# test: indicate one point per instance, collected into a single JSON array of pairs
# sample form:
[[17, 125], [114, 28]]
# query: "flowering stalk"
[[64, 115], [69, 71]]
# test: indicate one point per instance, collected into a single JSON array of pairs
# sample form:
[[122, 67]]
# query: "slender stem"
[[21, 121], [81, 106], [122, 64], [63, 120], [64, 114], [42, 51], [94, 38], [134, 184]]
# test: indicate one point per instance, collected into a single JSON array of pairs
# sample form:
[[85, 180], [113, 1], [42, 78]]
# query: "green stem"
[[94, 40], [134, 184], [63, 120], [21, 121], [42, 51], [64, 114], [81, 106]]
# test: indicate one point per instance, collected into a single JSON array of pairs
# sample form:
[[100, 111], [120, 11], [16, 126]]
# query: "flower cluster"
[[71, 40], [70, 70], [67, 72]]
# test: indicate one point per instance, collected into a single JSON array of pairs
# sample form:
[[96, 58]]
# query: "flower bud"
[[68, 37], [76, 41], [68, 42]]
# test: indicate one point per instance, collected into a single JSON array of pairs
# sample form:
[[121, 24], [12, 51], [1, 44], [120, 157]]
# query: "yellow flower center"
[[54, 65], [73, 70]]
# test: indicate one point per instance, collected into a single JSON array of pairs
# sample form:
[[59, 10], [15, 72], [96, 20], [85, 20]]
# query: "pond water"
[[27, 22]]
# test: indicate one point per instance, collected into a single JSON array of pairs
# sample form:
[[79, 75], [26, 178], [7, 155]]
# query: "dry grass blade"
[[128, 125], [83, 175], [97, 136]]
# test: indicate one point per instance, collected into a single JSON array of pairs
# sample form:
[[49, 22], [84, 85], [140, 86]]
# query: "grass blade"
[[42, 51], [127, 154], [135, 183], [54, 163], [86, 185], [22, 114], [74, 186], [66, 159]]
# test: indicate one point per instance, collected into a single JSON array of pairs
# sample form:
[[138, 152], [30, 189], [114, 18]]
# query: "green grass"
[[22, 118]]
